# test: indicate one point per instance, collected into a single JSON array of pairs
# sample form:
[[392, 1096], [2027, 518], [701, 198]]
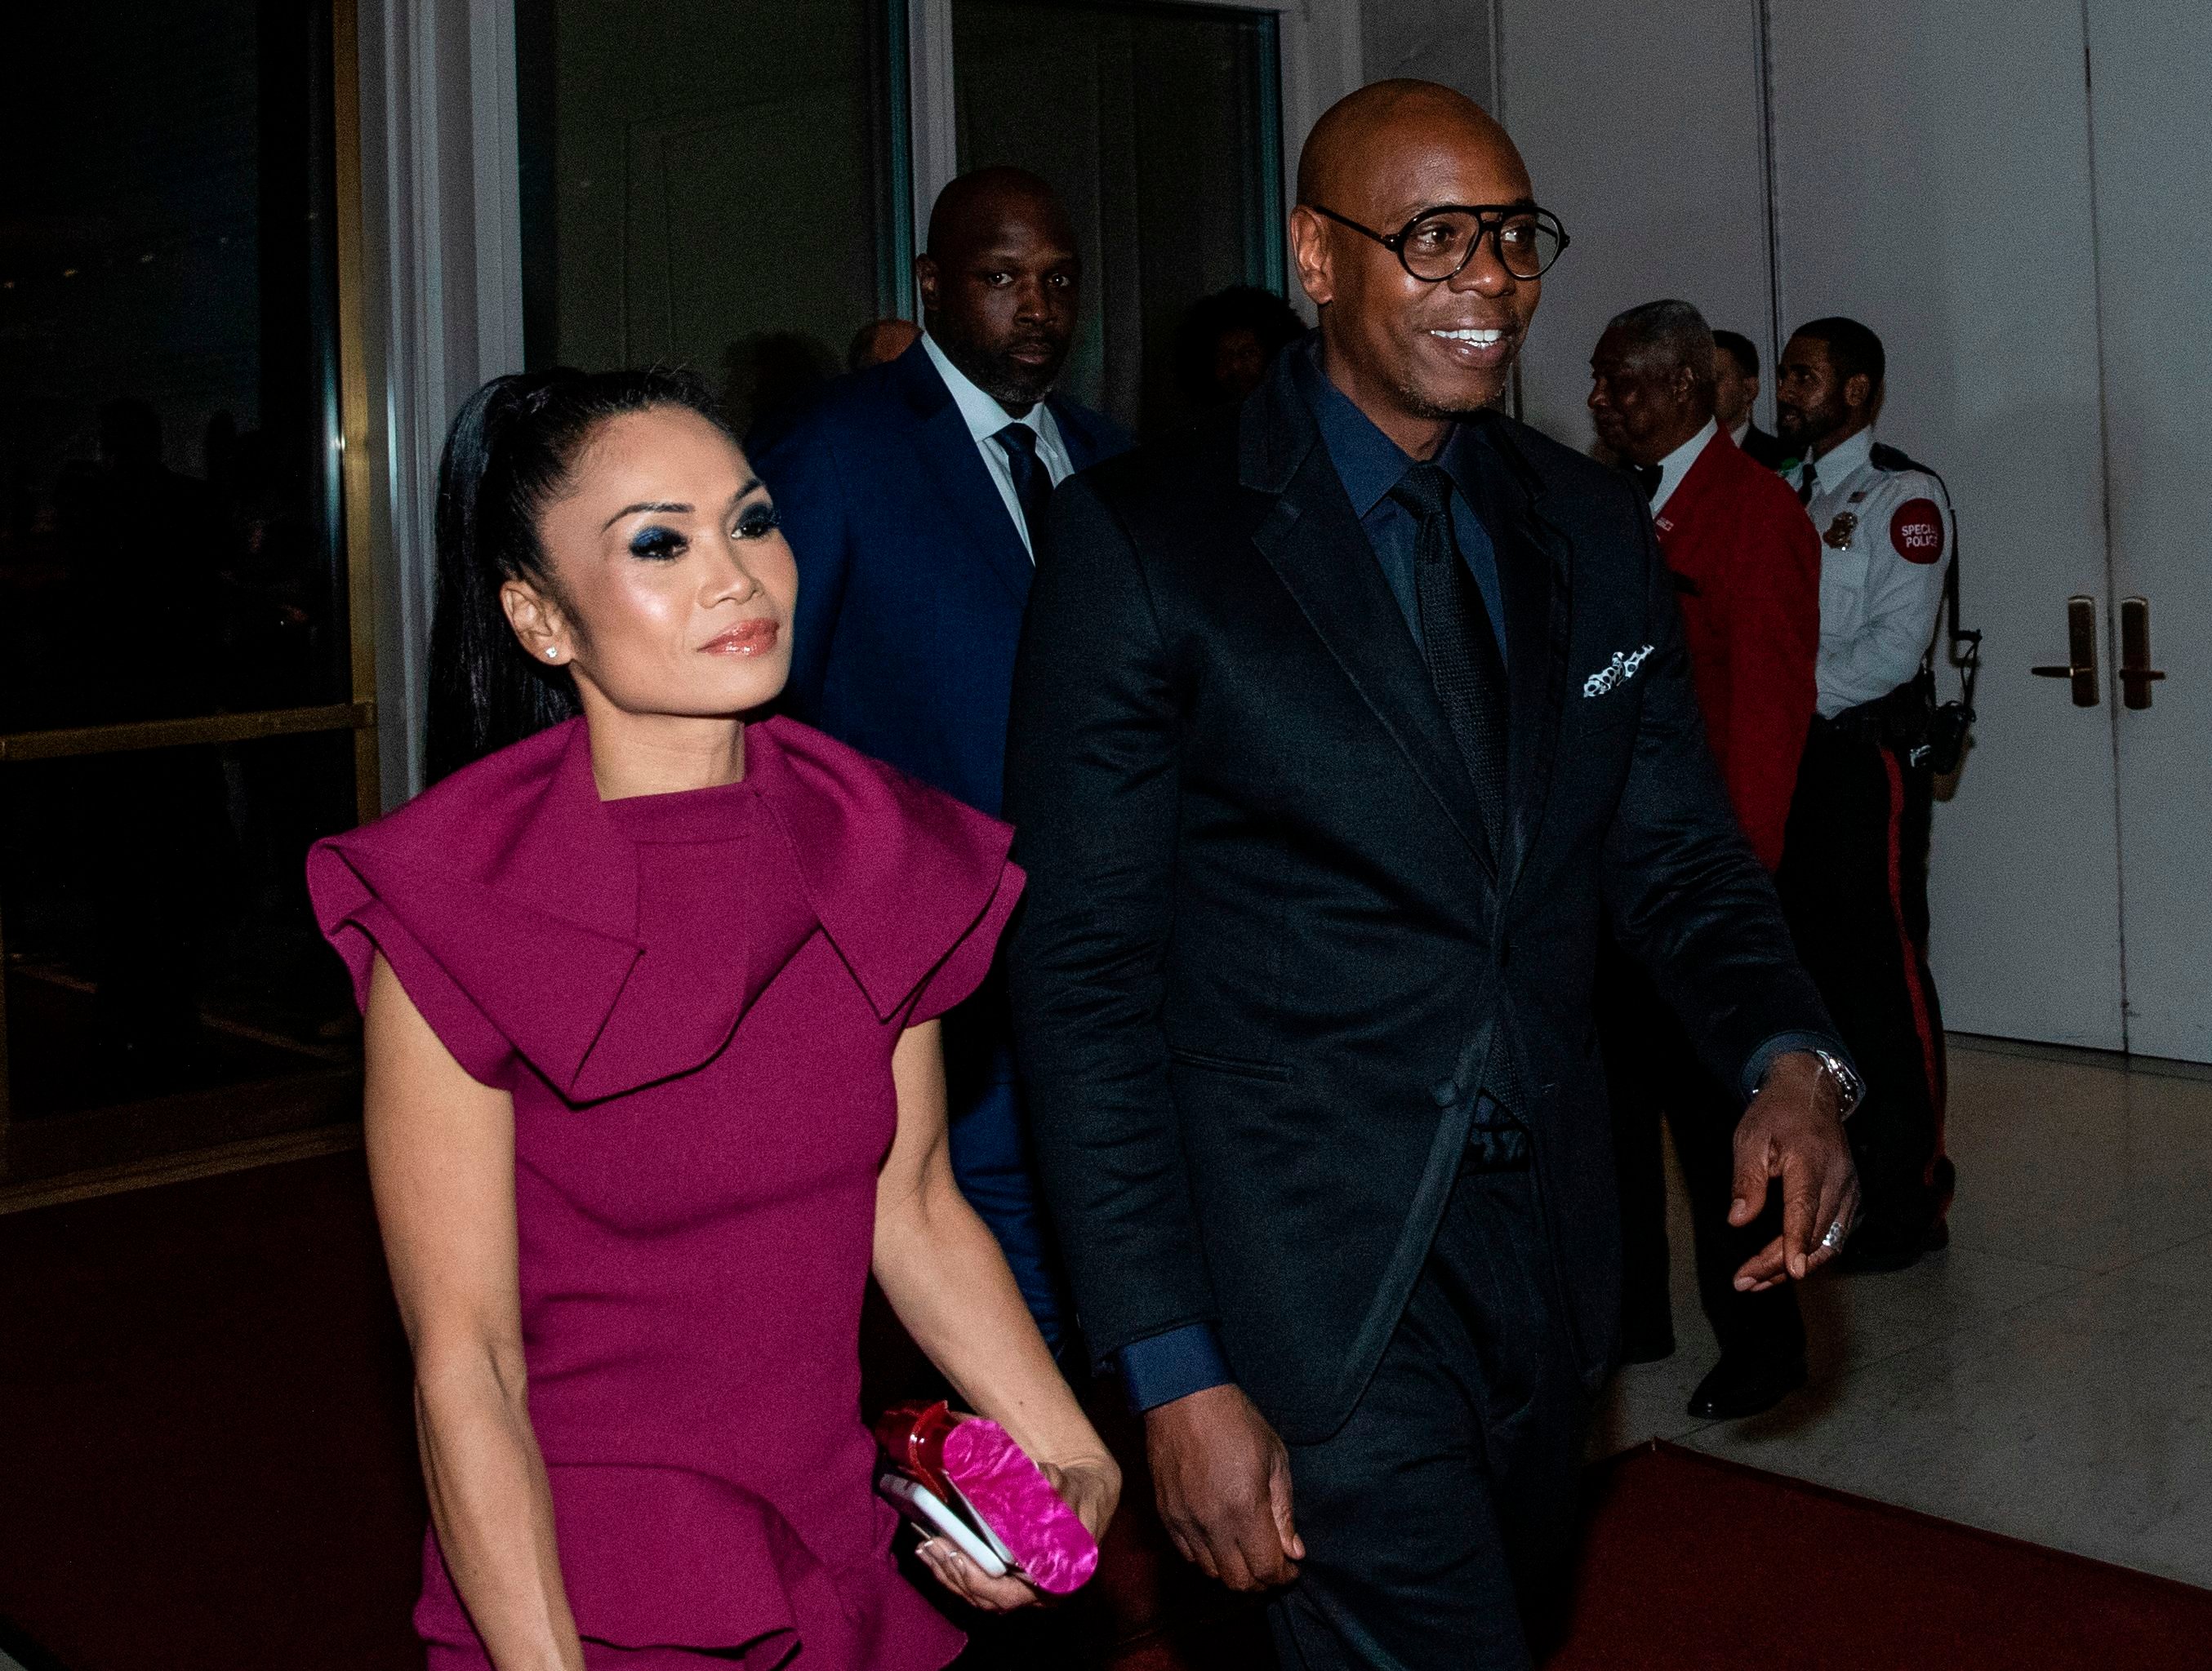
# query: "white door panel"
[[2153, 137], [1932, 175]]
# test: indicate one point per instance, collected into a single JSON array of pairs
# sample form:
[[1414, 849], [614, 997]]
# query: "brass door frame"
[[358, 714]]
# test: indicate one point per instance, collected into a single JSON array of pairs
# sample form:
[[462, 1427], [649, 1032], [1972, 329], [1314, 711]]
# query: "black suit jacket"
[[1267, 957], [1765, 449]]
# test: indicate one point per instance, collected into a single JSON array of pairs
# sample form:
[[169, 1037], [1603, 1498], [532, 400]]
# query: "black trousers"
[[1853, 885], [1437, 1522], [1652, 1072]]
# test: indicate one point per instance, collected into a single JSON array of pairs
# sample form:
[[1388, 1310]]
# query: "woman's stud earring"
[[552, 655]]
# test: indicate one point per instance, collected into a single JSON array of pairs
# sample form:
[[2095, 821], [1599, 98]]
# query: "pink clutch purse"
[[979, 1474]]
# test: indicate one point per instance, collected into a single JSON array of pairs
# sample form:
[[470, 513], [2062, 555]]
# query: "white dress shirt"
[[1676, 465], [1740, 432], [986, 418], [1886, 539]]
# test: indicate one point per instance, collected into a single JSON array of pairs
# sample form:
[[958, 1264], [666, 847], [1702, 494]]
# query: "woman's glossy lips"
[[756, 637]]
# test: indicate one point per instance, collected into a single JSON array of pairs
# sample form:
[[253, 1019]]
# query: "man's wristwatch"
[[1851, 1089]]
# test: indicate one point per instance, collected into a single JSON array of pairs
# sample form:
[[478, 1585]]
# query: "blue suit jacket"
[[912, 578]]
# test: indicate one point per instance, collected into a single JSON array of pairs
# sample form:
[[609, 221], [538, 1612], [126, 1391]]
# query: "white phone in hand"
[[933, 1515]]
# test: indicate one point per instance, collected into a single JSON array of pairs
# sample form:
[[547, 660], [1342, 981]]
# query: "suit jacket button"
[[1446, 1093]]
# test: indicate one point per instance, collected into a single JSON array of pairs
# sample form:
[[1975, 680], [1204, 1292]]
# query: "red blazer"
[[1747, 567]]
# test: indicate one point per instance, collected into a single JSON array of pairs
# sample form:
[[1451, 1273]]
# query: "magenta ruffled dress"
[[693, 999]]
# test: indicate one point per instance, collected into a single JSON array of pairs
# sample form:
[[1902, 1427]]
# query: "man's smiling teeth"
[[1482, 338]]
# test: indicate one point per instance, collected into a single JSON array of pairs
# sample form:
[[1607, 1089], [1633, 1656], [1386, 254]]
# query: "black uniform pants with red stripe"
[[1854, 885], [1652, 1071]]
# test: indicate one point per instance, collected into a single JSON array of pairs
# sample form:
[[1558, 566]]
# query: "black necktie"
[[1464, 665], [1647, 477], [1805, 487], [1469, 677], [1032, 480]]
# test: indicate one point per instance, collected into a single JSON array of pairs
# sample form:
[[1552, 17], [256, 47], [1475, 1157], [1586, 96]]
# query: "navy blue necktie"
[[1032, 480]]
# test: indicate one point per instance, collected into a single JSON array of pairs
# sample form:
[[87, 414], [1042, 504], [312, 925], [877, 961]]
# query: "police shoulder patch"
[[1916, 530]]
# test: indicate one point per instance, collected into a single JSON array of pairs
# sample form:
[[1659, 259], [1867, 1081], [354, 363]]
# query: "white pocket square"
[[1619, 671]]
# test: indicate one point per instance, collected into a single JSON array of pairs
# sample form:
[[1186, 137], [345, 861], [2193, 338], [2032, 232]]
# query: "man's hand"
[[1223, 1480], [1791, 1132]]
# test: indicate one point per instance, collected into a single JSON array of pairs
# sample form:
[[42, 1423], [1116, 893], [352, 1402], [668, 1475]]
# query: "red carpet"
[[206, 1465], [1694, 1564], [206, 1460]]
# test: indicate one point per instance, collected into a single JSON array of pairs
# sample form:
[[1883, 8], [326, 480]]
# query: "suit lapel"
[[1533, 574], [951, 460], [1077, 432], [1318, 550]]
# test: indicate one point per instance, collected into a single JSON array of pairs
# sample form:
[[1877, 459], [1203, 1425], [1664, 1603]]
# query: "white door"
[[1933, 179], [2152, 128]]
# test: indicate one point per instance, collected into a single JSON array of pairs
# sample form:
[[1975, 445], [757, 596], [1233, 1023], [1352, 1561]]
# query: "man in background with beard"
[[913, 495], [1854, 880]]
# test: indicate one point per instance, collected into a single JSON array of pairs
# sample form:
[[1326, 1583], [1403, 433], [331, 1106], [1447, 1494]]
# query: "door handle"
[[2135, 671], [2081, 651]]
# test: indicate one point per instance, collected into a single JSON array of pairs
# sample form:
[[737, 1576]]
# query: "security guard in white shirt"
[[1854, 876]]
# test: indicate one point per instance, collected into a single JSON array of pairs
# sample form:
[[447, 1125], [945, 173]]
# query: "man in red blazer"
[[1747, 569]]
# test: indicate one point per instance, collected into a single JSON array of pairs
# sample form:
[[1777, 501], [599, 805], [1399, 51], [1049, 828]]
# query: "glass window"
[[717, 184], [167, 989], [1159, 126], [171, 571], [168, 486]]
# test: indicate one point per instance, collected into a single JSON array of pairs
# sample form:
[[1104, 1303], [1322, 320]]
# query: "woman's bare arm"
[[441, 1161], [943, 1273]]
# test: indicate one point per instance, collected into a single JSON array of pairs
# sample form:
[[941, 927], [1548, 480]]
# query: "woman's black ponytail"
[[508, 455]]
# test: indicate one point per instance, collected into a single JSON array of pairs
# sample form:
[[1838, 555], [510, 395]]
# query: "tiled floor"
[[2049, 1376]]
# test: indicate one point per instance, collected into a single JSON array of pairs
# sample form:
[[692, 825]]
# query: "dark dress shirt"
[[1369, 464]]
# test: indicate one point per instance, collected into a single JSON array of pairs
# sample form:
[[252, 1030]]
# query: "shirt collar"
[[1368, 461], [1740, 432], [1832, 469], [1676, 465], [984, 416]]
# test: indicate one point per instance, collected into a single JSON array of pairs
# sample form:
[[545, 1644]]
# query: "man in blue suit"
[[914, 494]]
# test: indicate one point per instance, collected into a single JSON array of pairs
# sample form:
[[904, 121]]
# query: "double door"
[[2004, 194]]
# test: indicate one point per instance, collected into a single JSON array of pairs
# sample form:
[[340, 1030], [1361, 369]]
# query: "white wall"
[[1642, 130], [1450, 41]]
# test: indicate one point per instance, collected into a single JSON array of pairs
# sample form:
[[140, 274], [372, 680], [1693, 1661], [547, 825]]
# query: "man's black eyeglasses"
[[1437, 243]]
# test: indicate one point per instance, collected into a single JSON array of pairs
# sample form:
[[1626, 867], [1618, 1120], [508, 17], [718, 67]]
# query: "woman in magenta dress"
[[654, 1079]]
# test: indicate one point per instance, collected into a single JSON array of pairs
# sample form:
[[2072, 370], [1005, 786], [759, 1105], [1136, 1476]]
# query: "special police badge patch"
[[1916, 529]]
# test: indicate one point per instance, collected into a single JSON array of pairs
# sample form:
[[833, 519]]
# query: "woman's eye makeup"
[[657, 544], [758, 520]]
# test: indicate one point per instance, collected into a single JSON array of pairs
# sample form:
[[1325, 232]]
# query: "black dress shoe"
[[1747, 1383]]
